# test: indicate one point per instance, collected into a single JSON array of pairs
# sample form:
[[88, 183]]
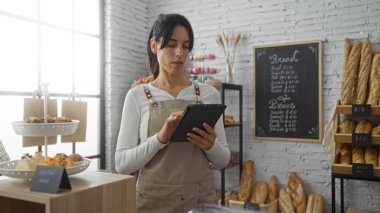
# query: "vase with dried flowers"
[[228, 42]]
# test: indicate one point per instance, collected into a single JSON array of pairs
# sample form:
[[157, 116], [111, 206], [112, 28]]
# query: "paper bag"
[[75, 110]]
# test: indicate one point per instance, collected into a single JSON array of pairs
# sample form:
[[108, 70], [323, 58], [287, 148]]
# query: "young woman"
[[174, 177]]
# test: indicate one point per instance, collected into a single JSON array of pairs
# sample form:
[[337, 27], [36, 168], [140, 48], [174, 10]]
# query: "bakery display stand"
[[196, 71], [354, 171], [237, 88], [9, 168]]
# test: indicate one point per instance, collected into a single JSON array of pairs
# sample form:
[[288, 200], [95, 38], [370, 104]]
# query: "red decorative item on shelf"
[[202, 56]]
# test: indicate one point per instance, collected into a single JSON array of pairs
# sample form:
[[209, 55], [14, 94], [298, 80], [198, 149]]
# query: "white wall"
[[261, 22]]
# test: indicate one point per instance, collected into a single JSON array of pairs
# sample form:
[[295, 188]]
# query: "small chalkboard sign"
[[361, 110], [252, 206], [288, 92], [361, 139], [50, 179], [361, 170]]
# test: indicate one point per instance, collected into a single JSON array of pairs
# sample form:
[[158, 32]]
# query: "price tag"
[[253, 206], [361, 140], [361, 110], [360, 170], [50, 179]]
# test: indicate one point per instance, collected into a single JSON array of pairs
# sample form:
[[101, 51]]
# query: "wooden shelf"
[[347, 110], [347, 138]]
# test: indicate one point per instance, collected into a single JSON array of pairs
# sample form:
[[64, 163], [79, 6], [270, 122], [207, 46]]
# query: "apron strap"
[[197, 92], [149, 96]]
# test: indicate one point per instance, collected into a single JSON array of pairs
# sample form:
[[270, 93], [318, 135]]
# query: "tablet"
[[194, 116]]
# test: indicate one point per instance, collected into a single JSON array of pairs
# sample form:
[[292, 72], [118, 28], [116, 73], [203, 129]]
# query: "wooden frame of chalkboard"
[[288, 91]]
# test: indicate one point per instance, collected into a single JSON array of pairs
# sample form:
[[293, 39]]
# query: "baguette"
[[246, 180], [349, 84], [374, 82], [272, 189], [259, 193], [314, 204], [364, 70], [297, 193], [285, 201]]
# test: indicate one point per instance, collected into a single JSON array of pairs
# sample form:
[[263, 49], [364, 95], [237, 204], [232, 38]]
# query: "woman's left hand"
[[205, 140]]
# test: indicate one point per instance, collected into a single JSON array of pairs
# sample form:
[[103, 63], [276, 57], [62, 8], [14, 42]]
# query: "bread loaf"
[[297, 193], [376, 130], [347, 127], [371, 155], [364, 71], [358, 155], [345, 154], [364, 126], [272, 189], [349, 84], [314, 204], [374, 82], [285, 201], [259, 193], [246, 180]]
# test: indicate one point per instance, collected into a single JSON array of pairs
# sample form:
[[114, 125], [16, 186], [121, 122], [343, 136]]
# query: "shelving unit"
[[343, 172], [233, 87]]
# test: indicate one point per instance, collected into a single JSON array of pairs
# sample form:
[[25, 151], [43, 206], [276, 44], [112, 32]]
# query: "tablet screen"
[[194, 116]]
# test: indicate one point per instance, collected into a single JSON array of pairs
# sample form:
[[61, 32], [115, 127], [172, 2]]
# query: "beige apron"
[[178, 177]]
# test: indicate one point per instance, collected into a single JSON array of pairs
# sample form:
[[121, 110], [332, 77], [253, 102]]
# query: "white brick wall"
[[261, 22], [125, 35]]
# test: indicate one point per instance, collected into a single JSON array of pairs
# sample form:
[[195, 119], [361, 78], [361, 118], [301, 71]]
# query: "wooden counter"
[[92, 192]]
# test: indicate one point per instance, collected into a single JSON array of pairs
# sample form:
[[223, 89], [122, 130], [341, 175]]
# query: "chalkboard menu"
[[288, 92]]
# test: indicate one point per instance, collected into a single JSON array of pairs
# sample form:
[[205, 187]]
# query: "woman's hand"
[[166, 131], [206, 139]]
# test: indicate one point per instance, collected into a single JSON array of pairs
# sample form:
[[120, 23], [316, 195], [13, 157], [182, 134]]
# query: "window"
[[54, 41]]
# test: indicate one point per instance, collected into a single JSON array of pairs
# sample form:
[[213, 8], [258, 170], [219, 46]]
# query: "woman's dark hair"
[[162, 31]]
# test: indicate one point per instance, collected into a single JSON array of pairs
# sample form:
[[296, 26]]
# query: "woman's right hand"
[[166, 131]]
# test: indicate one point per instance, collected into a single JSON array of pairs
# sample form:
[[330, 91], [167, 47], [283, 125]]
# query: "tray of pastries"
[[34, 126], [25, 168]]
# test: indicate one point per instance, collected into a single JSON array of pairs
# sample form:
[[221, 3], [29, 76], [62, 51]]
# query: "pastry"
[[285, 202], [374, 82], [364, 71], [32, 119], [345, 154], [62, 119], [26, 164], [314, 204], [347, 127], [259, 193], [364, 126], [371, 155], [349, 83], [76, 157], [272, 189], [246, 180]]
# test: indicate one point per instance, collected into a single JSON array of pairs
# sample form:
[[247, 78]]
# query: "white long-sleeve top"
[[134, 149]]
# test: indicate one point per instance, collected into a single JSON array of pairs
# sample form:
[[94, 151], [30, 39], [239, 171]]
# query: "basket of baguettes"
[[360, 85], [270, 197]]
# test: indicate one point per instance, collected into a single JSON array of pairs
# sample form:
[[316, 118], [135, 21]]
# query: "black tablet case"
[[194, 116]]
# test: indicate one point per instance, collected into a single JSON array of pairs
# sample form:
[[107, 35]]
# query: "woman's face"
[[173, 56]]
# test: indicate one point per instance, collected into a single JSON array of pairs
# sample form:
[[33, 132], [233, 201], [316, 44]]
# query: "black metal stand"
[[342, 177], [238, 88]]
